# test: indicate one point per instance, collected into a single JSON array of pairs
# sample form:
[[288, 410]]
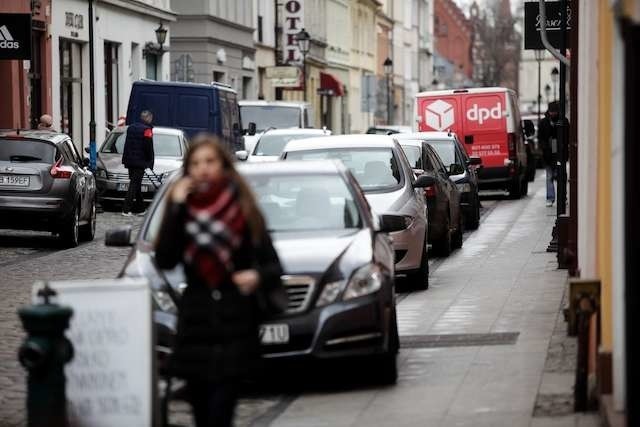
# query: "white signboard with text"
[[293, 23], [110, 381]]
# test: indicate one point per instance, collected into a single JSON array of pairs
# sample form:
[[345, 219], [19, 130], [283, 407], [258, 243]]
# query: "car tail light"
[[430, 191], [511, 142], [60, 172]]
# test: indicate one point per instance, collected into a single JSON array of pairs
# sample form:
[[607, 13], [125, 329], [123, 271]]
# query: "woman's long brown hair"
[[246, 199]]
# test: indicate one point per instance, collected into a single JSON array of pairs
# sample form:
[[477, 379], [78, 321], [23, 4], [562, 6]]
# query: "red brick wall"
[[453, 35]]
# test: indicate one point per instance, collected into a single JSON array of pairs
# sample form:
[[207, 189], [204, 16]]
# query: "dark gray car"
[[45, 185], [338, 263]]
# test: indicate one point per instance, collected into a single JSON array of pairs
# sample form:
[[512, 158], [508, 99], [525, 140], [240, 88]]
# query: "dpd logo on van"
[[482, 114], [439, 115]]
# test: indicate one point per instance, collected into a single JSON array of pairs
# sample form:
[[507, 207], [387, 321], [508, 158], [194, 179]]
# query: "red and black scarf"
[[214, 229]]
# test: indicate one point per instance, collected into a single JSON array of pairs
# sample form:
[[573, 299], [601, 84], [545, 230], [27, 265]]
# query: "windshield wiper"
[[23, 158]]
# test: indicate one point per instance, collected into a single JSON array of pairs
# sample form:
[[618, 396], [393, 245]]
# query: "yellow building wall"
[[603, 254]]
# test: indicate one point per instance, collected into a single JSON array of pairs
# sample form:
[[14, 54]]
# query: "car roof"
[[428, 136], [43, 135], [294, 167], [399, 128], [297, 131], [464, 90], [341, 141], [156, 129], [221, 86], [259, 102]]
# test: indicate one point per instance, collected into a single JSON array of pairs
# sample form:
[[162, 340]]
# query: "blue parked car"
[[191, 107]]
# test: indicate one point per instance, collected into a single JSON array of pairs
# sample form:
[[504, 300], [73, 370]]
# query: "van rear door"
[[194, 110], [156, 99], [485, 127], [440, 113]]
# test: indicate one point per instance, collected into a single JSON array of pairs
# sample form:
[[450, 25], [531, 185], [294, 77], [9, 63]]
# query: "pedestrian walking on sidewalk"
[[137, 156], [213, 227], [548, 140]]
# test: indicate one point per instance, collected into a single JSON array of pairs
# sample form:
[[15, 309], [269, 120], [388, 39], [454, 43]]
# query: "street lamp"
[[304, 40], [547, 91], [161, 35], [554, 78], [388, 70], [539, 54]]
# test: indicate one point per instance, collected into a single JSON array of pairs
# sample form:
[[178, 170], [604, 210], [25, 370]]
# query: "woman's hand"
[[247, 281], [181, 189]]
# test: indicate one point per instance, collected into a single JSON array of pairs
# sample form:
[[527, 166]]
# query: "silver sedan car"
[[390, 186], [112, 178]]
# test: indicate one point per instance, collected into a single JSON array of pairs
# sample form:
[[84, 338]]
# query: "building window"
[[246, 87], [152, 66], [111, 84], [71, 89], [218, 76], [260, 29]]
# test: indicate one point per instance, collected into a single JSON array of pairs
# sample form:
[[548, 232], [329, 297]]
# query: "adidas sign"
[[6, 39]]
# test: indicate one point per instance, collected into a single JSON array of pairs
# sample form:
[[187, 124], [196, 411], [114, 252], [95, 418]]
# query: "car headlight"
[[164, 301], [330, 292], [101, 173], [365, 281], [464, 188]]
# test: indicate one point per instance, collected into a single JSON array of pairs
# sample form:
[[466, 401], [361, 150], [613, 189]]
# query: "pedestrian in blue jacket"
[[136, 157]]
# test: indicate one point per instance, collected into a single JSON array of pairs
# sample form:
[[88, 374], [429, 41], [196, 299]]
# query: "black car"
[[337, 257], [45, 185], [443, 198], [462, 171]]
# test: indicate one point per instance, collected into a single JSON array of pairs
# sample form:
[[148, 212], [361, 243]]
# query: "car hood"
[[314, 252], [113, 163], [398, 201], [263, 159]]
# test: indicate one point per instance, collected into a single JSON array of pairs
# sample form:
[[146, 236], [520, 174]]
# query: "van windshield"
[[270, 116]]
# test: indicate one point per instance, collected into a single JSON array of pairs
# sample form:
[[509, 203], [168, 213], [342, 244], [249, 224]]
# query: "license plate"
[[14, 180], [274, 333], [123, 186]]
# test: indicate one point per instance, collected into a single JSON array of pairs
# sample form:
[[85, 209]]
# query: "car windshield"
[[270, 116], [299, 202], [414, 156], [376, 169], [273, 144], [163, 145], [446, 150], [26, 151]]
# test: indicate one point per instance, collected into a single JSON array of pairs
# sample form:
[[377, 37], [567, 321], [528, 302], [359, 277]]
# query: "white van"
[[274, 115]]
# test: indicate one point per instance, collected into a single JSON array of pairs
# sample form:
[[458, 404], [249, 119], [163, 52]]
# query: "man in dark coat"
[[548, 140], [136, 157]]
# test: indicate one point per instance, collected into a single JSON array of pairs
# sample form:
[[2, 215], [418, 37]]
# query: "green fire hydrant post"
[[44, 353]]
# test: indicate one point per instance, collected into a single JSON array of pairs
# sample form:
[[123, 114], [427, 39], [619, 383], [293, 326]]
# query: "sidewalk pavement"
[[502, 280]]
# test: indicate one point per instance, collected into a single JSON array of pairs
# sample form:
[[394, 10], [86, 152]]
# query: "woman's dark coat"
[[217, 335]]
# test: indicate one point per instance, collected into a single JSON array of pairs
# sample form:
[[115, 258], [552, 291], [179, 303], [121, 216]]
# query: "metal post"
[[388, 99], [304, 76], [539, 85], [92, 108], [561, 131]]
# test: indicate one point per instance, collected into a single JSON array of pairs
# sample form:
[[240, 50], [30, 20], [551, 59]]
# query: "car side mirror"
[[118, 237], [455, 169], [242, 155], [424, 181], [474, 161], [251, 129], [391, 223]]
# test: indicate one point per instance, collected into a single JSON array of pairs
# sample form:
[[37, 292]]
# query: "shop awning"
[[330, 85]]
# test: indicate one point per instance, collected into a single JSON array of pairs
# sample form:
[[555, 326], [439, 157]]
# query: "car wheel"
[[70, 233], [473, 222], [525, 188], [388, 362], [88, 231], [442, 246], [515, 190], [457, 236], [419, 278]]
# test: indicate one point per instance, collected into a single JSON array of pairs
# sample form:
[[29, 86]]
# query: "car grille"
[[124, 176], [299, 289]]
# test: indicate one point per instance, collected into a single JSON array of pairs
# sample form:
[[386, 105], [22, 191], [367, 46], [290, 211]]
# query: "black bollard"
[[44, 353]]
